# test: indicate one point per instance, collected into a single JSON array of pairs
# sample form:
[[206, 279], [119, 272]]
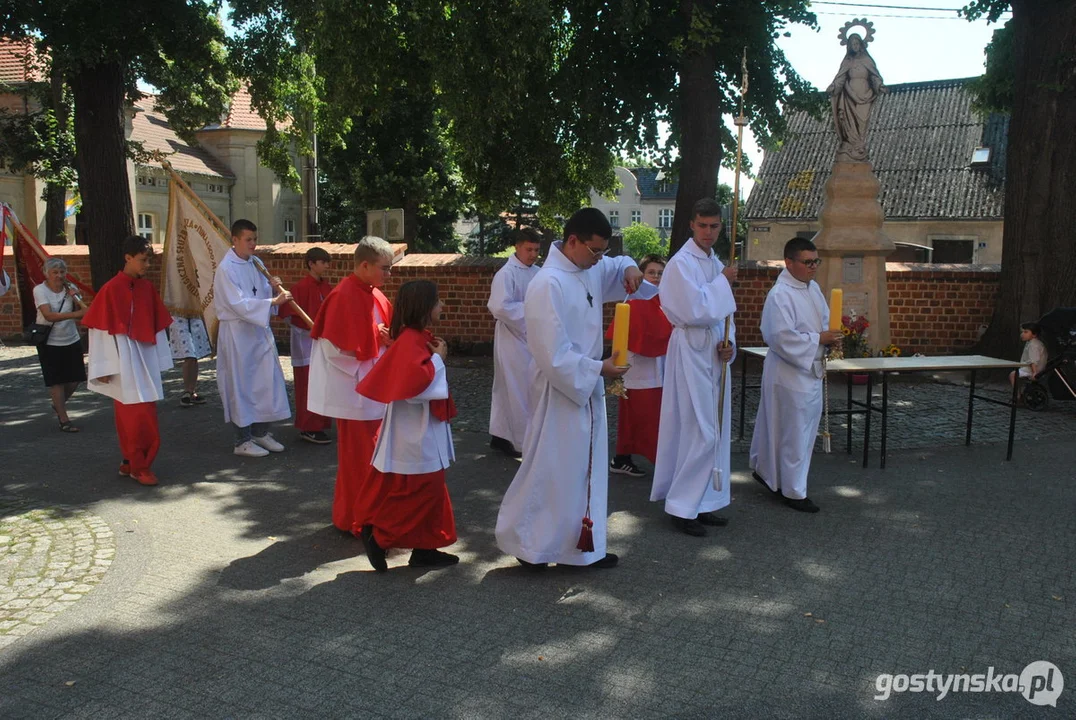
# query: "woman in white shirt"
[[61, 355]]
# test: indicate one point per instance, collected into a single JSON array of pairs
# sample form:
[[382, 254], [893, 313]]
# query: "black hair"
[[797, 245], [706, 207], [240, 225], [136, 245], [1034, 327], [314, 254], [586, 223], [415, 300], [650, 260]]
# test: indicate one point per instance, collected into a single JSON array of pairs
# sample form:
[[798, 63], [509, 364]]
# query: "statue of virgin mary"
[[852, 93]]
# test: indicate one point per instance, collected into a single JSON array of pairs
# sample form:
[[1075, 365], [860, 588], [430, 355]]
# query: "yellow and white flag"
[[194, 243]]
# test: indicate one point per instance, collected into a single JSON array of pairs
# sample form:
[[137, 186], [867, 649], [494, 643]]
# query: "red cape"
[[649, 330], [404, 371], [128, 306], [346, 318], [309, 294]]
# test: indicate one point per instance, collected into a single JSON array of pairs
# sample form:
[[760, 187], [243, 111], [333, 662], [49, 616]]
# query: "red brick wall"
[[933, 309]]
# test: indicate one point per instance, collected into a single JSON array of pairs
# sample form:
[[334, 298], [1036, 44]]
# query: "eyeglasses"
[[593, 252], [812, 263]]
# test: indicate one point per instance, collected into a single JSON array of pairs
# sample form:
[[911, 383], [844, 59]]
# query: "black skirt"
[[62, 364]]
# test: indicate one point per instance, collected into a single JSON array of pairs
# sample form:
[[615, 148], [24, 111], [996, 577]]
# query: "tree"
[[1031, 70], [640, 239], [100, 48]]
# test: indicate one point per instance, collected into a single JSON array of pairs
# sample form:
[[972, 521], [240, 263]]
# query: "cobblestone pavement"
[[231, 595], [49, 559]]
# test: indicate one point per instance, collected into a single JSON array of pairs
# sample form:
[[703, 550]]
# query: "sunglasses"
[[811, 263]]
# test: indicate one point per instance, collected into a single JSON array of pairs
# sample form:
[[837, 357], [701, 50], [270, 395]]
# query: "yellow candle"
[[836, 304], [621, 321]]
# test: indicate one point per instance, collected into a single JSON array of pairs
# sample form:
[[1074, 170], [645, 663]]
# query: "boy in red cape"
[[648, 342], [309, 293], [128, 351], [405, 500], [350, 333]]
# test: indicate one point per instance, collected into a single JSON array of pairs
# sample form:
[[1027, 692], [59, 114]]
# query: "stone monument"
[[851, 240]]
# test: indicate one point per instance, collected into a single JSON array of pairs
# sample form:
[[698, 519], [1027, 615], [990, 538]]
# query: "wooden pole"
[[41, 254], [295, 306]]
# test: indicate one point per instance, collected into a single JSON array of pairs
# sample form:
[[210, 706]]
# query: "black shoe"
[[689, 526], [708, 518], [762, 482], [609, 561], [804, 505], [532, 566], [374, 553], [625, 467], [499, 443], [432, 558], [317, 437], [186, 400]]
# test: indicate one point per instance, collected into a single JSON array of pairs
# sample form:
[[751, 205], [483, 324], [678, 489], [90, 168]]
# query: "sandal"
[[197, 399], [186, 400], [67, 427]]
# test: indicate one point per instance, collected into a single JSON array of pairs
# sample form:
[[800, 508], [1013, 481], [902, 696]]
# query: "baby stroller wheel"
[[1036, 397]]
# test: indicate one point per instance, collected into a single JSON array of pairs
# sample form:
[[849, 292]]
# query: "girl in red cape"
[[648, 343], [405, 502]]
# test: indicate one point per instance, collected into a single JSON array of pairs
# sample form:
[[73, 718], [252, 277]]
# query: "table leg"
[[848, 382], [867, 425], [1012, 418], [743, 391], [971, 405], [885, 412]]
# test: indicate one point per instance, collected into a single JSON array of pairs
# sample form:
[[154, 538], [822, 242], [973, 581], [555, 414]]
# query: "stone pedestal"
[[853, 247]]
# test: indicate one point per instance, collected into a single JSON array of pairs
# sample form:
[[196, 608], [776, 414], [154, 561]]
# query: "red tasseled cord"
[[586, 536]]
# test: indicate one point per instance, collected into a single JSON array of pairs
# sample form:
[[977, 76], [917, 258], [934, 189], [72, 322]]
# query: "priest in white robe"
[[510, 407], [128, 352], [692, 470], [564, 475], [249, 377], [794, 322]]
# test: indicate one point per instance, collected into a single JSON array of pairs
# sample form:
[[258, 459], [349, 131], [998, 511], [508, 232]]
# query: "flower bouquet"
[[854, 328]]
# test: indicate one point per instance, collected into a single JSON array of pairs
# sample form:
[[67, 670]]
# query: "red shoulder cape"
[[648, 330], [404, 371], [309, 294], [346, 318], [128, 306]]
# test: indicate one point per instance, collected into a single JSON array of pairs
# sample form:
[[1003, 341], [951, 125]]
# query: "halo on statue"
[[864, 23]]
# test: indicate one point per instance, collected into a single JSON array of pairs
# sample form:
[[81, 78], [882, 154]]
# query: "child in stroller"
[[1057, 379]]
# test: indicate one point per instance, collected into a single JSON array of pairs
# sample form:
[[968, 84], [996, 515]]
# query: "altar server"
[[794, 319], [309, 293], [128, 352], [249, 377], [561, 486], [510, 406], [350, 333]]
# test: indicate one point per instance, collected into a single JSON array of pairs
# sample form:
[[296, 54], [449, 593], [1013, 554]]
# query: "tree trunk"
[[700, 137], [56, 194], [410, 208], [1038, 263], [101, 158]]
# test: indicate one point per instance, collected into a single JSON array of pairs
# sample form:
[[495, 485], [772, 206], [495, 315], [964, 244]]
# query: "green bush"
[[640, 239]]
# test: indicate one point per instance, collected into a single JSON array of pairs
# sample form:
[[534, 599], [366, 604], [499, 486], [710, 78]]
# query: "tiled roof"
[[649, 184], [17, 62], [240, 115], [920, 139], [151, 128]]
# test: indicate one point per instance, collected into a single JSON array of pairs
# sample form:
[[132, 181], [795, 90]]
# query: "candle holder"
[[617, 389]]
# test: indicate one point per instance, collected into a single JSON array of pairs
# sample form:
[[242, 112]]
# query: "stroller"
[[1058, 379]]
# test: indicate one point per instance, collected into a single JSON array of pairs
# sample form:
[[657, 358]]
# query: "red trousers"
[[139, 436], [306, 421], [637, 423], [355, 440], [407, 511]]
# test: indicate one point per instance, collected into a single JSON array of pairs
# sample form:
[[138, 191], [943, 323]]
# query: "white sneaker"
[[266, 441], [249, 449]]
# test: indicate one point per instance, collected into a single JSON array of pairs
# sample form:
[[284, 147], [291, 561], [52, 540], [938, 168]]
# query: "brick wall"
[[933, 309]]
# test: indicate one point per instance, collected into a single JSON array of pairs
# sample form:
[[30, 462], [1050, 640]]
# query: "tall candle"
[[836, 304], [621, 322]]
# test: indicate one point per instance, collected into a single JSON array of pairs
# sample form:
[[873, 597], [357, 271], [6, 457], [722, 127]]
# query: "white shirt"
[[64, 332]]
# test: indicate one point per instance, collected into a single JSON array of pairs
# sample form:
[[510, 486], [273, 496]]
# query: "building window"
[[614, 218], [145, 225], [617, 192], [636, 216], [663, 186], [289, 230], [665, 217], [980, 156], [215, 188], [959, 250]]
